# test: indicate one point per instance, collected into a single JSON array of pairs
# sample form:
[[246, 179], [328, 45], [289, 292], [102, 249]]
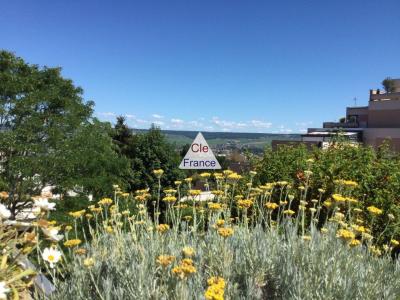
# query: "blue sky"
[[253, 66]]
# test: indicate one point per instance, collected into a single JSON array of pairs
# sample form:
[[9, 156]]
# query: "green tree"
[[388, 85], [146, 152], [48, 135]]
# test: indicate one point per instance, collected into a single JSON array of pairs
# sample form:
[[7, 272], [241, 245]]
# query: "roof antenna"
[[355, 101]]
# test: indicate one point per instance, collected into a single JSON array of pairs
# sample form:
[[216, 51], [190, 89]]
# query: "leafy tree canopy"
[[48, 135], [146, 152], [389, 85]]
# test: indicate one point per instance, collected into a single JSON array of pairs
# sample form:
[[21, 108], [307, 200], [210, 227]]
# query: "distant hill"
[[241, 139]]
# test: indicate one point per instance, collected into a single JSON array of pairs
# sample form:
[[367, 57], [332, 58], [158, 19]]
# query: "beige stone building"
[[370, 125]]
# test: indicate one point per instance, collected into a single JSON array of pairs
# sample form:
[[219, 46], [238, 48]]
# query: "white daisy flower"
[[3, 290], [51, 255], [4, 212]]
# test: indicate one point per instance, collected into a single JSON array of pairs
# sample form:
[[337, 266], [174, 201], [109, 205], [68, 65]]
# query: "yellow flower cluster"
[[374, 210], [194, 192], [184, 269], [345, 234], [158, 172], [88, 262], [234, 176], [142, 195], [162, 228], [105, 201], [165, 260], [214, 206], [72, 243], [288, 212], [77, 214], [169, 199], [244, 204], [271, 205], [216, 288], [188, 251], [217, 192], [205, 175], [225, 232], [348, 183]]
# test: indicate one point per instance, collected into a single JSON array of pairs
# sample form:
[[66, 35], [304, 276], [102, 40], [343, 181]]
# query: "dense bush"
[[377, 174]]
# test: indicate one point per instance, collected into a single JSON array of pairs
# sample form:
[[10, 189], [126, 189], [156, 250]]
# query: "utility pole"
[[355, 101]]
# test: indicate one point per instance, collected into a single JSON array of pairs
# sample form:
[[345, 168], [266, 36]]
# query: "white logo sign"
[[199, 156]]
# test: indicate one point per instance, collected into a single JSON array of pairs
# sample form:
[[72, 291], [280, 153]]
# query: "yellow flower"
[[105, 201], [162, 228], [169, 199], [324, 230], [271, 205], [220, 222], [214, 206], [306, 237], [72, 243], [205, 175], [184, 269], [288, 212], [165, 260], [68, 228], [225, 232], [77, 214], [188, 251], [88, 262], [367, 236], [194, 192], [374, 250], [188, 218], [80, 251], [374, 210], [158, 172], [178, 182], [234, 176], [338, 198], [245, 203], [351, 200], [354, 243], [394, 242], [345, 234], [358, 228], [215, 290], [96, 209], [327, 203], [217, 192]]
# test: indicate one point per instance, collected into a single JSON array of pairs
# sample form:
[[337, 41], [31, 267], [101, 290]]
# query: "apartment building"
[[369, 125]]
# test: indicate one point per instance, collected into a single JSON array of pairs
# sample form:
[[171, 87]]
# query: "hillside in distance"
[[224, 140]]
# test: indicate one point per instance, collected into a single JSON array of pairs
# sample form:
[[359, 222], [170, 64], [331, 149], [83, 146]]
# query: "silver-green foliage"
[[256, 263]]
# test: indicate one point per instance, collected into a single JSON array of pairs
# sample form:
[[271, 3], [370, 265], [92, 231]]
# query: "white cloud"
[[177, 121], [201, 123], [141, 121], [260, 124], [157, 116]]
